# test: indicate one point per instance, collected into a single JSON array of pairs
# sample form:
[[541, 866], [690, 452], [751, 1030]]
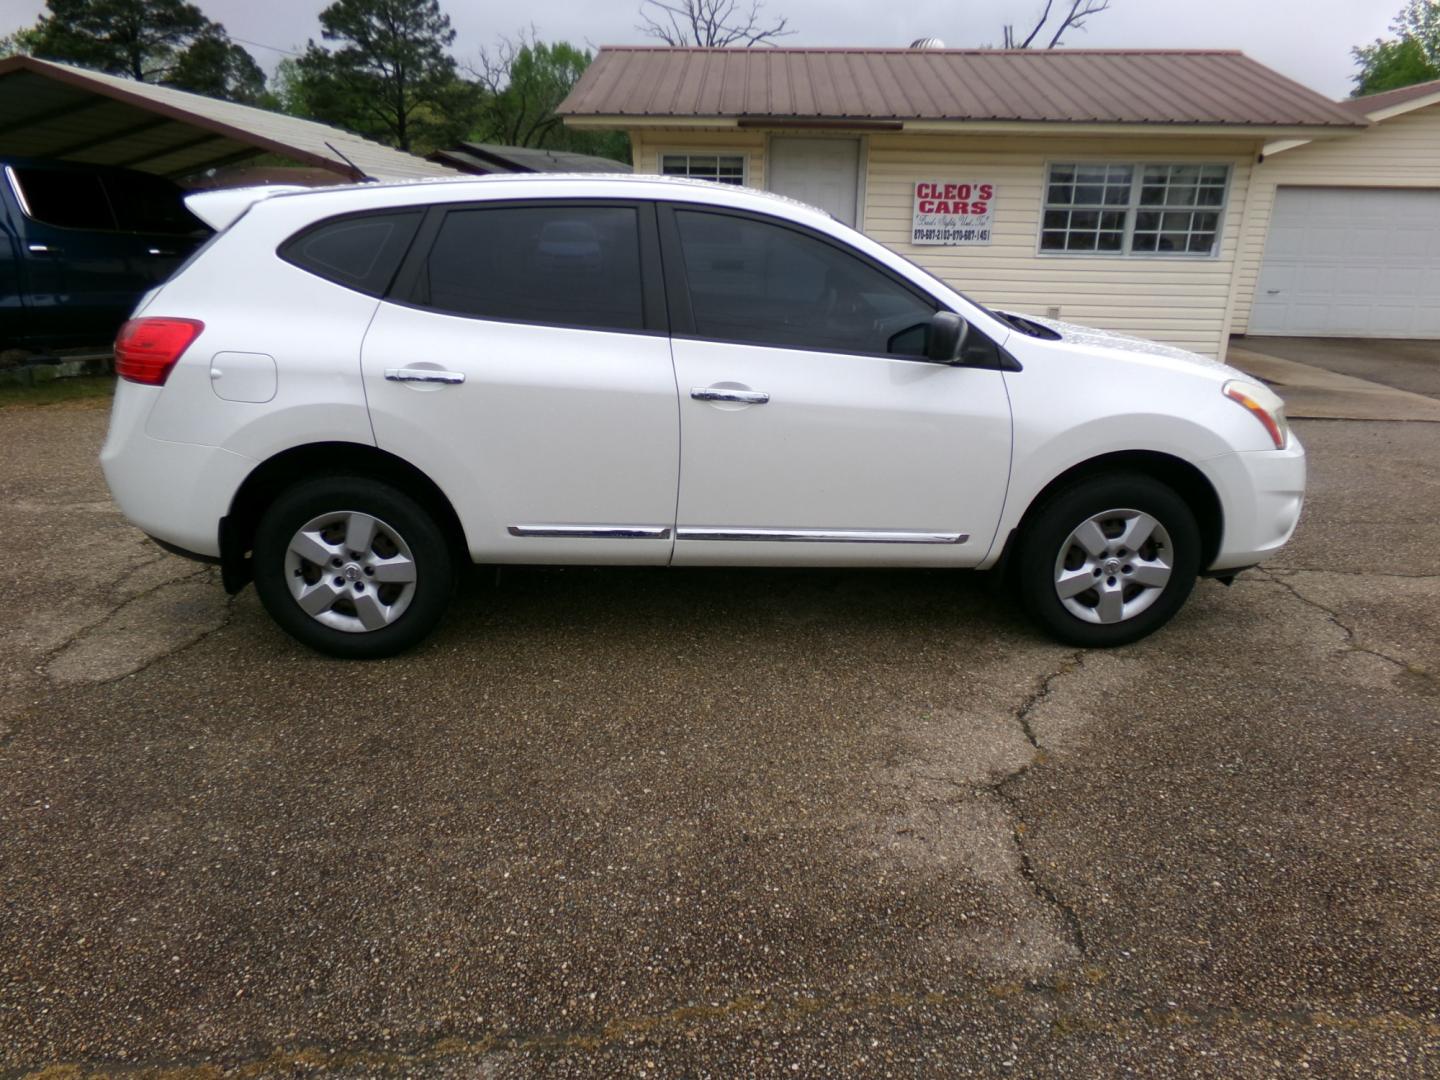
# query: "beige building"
[[1169, 195]]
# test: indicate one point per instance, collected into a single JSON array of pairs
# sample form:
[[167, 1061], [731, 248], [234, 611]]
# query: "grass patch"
[[96, 389]]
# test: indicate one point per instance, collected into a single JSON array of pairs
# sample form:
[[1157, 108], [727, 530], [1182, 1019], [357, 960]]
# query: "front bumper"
[[1261, 495]]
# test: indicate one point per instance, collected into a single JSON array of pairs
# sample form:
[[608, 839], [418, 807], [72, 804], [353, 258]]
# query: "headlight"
[[1263, 404]]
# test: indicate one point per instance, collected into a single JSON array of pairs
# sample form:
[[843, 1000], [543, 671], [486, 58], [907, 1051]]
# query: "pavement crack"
[[1043, 891], [1022, 715], [229, 613], [51, 653], [1000, 789], [1351, 643], [118, 585], [1289, 571]]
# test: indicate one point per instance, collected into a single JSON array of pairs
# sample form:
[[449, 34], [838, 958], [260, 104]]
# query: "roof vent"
[[927, 43]]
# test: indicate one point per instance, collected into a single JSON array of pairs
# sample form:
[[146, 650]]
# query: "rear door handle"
[[712, 393], [44, 249], [425, 375]]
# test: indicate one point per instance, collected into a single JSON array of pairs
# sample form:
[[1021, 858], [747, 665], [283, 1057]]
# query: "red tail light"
[[146, 349]]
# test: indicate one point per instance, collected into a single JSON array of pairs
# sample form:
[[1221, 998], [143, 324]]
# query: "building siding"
[[1180, 301], [1402, 152]]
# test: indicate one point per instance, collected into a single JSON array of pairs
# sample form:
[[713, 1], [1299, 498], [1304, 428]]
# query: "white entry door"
[[1351, 262], [821, 172]]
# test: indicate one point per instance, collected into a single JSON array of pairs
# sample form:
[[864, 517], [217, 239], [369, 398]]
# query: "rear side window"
[[69, 198], [360, 252], [556, 265], [148, 204]]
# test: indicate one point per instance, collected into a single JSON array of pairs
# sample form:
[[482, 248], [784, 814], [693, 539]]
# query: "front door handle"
[[424, 375], [714, 393]]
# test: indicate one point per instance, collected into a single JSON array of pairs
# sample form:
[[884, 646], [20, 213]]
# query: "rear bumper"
[[176, 492], [1262, 493]]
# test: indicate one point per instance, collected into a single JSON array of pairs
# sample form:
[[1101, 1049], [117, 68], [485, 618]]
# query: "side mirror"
[[945, 337]]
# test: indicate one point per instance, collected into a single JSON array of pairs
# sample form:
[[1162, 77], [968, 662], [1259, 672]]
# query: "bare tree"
[[1074, 19], [711, 23]]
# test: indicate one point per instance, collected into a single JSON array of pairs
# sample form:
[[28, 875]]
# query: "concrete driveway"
[[1320, 378], [716, 823], [1412, 366]]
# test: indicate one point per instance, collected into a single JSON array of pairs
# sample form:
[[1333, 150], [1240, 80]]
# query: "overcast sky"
[[1308, 40]]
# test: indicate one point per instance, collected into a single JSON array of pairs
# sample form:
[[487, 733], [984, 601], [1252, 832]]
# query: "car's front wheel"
[[1108, 560], [352, 567]]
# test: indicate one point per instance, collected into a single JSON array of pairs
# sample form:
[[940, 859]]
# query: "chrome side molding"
[[800, 536], [823, 536], [593, 532]]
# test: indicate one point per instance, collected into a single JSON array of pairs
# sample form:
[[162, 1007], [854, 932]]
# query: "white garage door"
[[1351, 262]]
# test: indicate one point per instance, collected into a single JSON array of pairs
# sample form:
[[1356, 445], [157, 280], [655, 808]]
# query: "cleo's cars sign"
[[952, 212]]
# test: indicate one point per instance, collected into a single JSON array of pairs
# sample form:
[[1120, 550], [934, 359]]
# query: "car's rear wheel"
[[1108, 560], [352, 567]]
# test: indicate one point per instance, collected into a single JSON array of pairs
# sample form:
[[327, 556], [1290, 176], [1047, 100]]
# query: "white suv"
[[349, 391]]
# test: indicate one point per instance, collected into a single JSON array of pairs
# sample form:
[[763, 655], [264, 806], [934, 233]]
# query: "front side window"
[[764, 284], [1123, 209], [557, 265], [722, 168]]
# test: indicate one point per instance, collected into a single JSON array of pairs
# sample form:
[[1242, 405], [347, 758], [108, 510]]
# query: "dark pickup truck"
[[80, 244]]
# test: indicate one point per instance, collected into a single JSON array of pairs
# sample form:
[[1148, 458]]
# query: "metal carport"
[[52, 110]]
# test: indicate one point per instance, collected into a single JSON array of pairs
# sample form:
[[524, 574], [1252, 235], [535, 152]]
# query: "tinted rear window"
[[69, 198], [361, 253], [556, 265]]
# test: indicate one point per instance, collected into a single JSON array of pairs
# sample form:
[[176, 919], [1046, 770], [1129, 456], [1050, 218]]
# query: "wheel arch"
[[1185, 479], [272, 476]]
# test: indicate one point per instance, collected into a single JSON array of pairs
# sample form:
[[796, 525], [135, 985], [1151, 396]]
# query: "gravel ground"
[[721, 823]]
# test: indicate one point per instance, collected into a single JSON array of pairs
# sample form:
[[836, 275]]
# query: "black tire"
[[401, 523], [1045, 542]]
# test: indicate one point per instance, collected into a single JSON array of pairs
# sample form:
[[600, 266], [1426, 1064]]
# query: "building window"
[[722, 168], [1134, 209]]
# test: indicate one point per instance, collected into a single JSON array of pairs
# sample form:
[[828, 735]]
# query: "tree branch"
[[1074, 19], [709, 23]]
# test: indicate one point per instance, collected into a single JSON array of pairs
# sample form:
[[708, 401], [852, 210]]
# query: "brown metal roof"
[[891, 85], [58, 110], [1373, 103]]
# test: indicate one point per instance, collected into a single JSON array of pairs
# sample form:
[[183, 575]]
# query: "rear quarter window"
[[360, 252]]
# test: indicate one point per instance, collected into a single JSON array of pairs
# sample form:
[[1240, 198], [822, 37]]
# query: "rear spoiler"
[[219, 209]]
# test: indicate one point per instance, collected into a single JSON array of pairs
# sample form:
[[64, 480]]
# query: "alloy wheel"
[[350, 571], [1113, 566]]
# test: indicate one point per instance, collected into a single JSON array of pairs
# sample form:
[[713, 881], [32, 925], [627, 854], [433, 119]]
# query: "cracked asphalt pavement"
[[721, 823]]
